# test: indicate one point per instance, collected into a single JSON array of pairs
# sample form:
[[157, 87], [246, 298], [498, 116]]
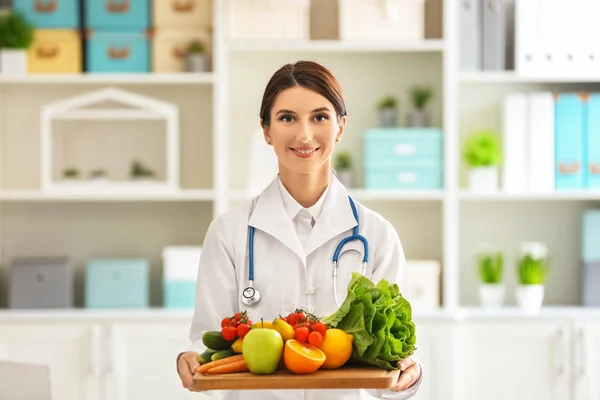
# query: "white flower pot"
[[491, 295], [530, 297], [345, 178], [196, 63], [13, 62], [483, 179]]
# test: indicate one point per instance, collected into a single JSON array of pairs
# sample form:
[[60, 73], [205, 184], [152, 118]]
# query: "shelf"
[[513, 77], [335, 46], [116, 78], [36, 195], [374, 195], [554, 196]]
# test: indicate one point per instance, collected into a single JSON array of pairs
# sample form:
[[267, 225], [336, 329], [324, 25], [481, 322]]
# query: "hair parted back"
[[306, 74]]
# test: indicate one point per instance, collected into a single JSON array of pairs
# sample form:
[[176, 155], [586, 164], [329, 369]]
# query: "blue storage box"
[[569, 142], [123, 52], [179, 294], [116, 15], [590, 236], [404, 158], [62, 14], [593, 142], [117, 283]]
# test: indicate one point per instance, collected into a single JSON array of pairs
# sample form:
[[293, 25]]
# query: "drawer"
[[386, 147], [189, 14], [117, 283], [590, 280], [55, 51], [179, 294], [117, 14], [169, 48], [118, 52], [409, 177], [41, 283], [50, 13]]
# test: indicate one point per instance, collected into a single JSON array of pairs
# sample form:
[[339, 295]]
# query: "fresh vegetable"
[[229, 368], [205, 367], [380, 320], [236, 326], [304, 324], [237, 346], [315, 338], [214, 340], [229, 333], [205, 357], [242, 330], [222, 354]]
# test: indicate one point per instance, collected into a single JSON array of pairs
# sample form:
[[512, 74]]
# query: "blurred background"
[[126, 126]]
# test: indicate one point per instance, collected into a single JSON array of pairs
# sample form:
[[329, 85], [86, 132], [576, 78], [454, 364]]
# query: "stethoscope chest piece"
[[250, 296]]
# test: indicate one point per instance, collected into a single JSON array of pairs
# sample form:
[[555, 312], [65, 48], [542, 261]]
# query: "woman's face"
[[303, 131]]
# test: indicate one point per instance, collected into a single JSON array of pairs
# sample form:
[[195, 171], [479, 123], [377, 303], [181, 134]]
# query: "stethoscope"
[[251, 295]]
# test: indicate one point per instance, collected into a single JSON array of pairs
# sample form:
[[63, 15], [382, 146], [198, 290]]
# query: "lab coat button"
[[310, 289]]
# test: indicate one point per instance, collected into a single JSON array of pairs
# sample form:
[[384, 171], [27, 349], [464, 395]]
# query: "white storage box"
[[180, 272], [390, 20], [424, 278], [269, 19]]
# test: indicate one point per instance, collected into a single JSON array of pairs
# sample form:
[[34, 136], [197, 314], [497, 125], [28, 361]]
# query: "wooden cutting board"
[[342, 378]]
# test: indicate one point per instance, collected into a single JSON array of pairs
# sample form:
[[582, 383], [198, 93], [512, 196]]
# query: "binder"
[[527, 54], [569, 134], [470, 35], [514, 129], [592, 158], [494, 35], [541, 142]]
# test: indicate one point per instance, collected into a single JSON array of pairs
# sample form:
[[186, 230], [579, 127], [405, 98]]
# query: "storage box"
[[180, 273], [116, 15], [55, 51], [270, 19], [424, 281], [117, 283], [590, 236], [389, 20], [182, 14], [169, 49], [590, 280], [593, 142], [50, 13], [118, 52], [569, 144], [40, 282]]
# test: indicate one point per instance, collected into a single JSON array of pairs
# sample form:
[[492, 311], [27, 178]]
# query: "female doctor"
[[274, 254]]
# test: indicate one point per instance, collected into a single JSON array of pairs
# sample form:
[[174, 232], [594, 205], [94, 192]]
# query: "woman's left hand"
[[411, 372]]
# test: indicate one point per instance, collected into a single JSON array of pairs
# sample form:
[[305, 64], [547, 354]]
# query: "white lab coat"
[[287, 275]]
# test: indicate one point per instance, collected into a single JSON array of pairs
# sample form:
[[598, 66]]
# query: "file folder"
[[494, 35], [470, 35], [592, 158], [541, 142], [569, 134]]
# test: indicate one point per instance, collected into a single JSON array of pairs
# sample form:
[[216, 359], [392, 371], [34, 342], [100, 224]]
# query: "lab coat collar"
[[293, 207], [270, 216]]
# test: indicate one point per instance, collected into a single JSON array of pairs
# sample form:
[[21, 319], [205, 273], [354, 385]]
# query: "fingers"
[[407, 362], [407, 378], [193, 363], [186, 365]]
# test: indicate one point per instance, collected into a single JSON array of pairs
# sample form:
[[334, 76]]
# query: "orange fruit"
[[337, 346], [302, 358]]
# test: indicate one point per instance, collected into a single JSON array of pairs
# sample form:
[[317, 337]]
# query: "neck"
[[306, 189]]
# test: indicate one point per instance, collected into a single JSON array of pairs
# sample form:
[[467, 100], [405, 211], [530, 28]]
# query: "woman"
[[298, 221]]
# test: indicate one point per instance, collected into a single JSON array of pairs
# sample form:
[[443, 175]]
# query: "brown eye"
[[321, 118]]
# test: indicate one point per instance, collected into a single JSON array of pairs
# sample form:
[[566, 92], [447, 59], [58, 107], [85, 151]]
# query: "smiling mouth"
[[304, 151]]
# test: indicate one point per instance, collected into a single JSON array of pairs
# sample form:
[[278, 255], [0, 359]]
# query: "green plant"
[[15, 31], [387, 103], [482, 149], [491, 267], [71, 172], [343, 161], [420, 96], [196, 47], [138, 170], [532, 267]]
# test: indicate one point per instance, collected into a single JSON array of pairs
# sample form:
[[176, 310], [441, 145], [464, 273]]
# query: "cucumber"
[[205, 357], [222, 354], [214, 340]]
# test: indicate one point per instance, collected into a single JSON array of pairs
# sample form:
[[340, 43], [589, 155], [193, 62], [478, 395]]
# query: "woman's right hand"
[[187, 365]]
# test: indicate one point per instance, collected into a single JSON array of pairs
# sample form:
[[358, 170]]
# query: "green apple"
[[262, 349]]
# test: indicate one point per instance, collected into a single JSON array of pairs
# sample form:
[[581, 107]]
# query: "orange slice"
[[302, 358]]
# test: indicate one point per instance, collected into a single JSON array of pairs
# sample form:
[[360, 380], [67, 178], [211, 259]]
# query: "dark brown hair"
[[307, 74]]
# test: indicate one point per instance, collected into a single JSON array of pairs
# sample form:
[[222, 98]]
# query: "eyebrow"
[[292, 112]]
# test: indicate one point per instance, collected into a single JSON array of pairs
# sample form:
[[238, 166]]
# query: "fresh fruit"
[[301, 334], [242, 330], [205, 367], [285, 329], [230, 326], [237, 346], [205, 356], [229, 333], [229, 368], [319, 327], [337, 346], [262, 324], [214, 340], [302, 358], [222, 354], [315, 338], [262, 349]]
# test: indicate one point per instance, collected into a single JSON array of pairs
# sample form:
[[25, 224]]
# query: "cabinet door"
[[141, 362], [586, 359], [71, 351], [514, 359]]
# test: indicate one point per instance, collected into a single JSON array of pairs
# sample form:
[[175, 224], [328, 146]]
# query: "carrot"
[[233, 367], [205, 367]]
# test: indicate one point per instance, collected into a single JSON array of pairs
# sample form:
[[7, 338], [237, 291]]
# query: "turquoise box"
[[117, 14], [117, 283], [569, 142], [179, 294], [404, 158], [590, 240], [60, 14], [124, 52], [593, 142]]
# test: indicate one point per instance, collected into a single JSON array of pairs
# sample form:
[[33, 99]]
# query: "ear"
[[266, 133], [340, 133]]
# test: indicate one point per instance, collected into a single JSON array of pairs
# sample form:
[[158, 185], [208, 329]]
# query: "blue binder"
[[592, 171], [569, 139]]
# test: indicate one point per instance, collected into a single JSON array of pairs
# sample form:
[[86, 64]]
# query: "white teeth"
[[305, 151]]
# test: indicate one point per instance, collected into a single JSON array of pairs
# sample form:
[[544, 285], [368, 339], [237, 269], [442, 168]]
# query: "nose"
[[305, 134]]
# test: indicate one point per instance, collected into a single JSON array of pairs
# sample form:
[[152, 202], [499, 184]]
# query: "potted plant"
[[532, 269], [491, 271], [139, 171], [343, 168], [388, 112], [196, 57], [419, 115], [16, 35], [98, 175], [482, 154], [70, 174]]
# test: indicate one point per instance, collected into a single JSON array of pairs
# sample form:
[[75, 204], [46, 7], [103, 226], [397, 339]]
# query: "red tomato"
[[229, 333], [315, 338], [291, 319], [301, 334], [225, 322], [320, 327], [242, 330], [237, 316]]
